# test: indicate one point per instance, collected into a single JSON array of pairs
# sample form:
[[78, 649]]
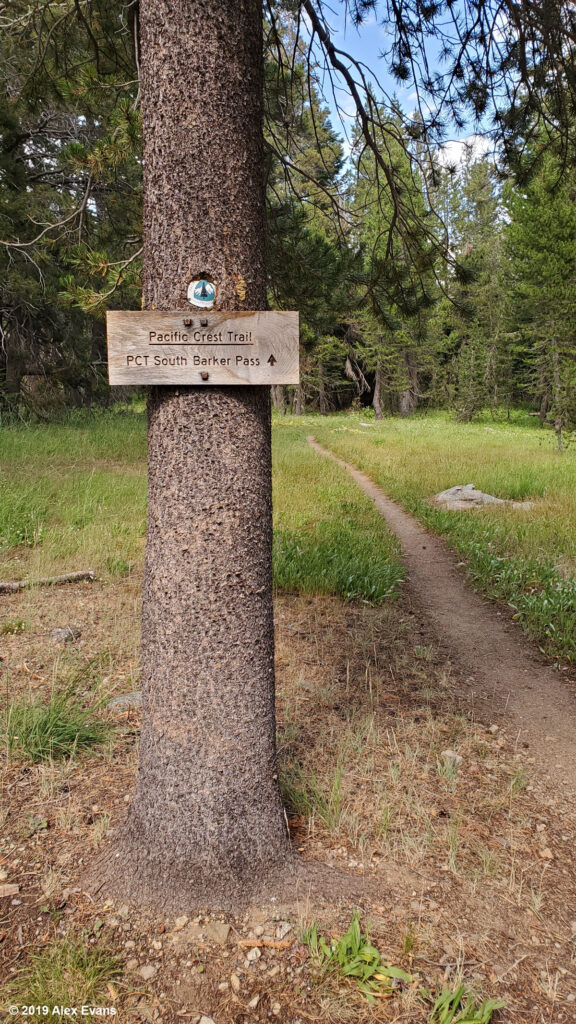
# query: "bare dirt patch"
[[460, 868]]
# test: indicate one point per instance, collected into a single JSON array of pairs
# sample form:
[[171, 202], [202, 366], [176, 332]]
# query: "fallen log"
[[48, 581]]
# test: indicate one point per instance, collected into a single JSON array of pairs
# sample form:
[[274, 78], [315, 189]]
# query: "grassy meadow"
[[73, 493], [526, 557], [73, 496]]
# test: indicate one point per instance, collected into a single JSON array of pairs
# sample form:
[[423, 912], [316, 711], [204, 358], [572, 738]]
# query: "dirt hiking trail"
[[507, 678]]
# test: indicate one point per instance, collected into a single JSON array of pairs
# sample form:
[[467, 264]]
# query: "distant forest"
[[471, 306]]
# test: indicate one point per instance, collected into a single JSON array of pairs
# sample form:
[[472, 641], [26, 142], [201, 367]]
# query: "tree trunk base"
[[121, 875], [128, 872]]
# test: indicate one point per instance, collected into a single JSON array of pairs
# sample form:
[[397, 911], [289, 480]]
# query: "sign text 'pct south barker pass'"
[[152, 347]]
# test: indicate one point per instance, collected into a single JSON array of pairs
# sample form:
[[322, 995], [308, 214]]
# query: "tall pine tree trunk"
[[299, 400], [206, 822], [408, 399], [279, 398], [377, 397]]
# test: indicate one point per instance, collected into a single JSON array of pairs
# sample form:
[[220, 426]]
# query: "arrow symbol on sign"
[[272, 360]]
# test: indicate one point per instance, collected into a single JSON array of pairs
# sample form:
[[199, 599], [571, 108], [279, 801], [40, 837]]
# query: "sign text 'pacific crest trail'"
[[148, 347]]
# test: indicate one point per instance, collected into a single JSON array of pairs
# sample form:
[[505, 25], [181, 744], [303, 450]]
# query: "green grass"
[[73, 496], [12, 627], [46, 732], [354, 958], [66, 973], [328, 537], [524, 557], [305, 796]]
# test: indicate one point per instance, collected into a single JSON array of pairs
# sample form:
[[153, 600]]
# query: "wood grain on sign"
[[151, 347]]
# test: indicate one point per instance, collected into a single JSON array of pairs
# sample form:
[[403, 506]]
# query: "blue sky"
[[366, 44]]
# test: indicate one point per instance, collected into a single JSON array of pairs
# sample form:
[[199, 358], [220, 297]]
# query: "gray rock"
[[65, 634], [126, 701], [450, 757], [463, 497], [282, 929]]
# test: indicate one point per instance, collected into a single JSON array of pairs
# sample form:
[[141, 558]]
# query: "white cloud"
[[455, 152]]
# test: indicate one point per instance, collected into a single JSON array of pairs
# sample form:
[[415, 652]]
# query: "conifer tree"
[[541, 245]]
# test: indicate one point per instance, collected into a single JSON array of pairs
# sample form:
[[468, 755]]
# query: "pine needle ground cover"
[[526, 557]]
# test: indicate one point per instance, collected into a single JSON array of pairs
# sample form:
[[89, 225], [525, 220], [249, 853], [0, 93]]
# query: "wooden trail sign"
[[152, 347]]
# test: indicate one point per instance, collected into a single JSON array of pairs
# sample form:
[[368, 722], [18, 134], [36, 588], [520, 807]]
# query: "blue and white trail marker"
[[202, 293]]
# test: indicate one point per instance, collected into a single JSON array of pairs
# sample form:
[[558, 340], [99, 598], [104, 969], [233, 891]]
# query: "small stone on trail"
[[282, 929], [126, 701], [235, 982], [451, 757], [253, 954], [546, 854], [131, 965], [65, 634], [206, 1020], [493, 729], [180, 923], [148, 972], [3, 875], [276, 1008], [254, 1002]]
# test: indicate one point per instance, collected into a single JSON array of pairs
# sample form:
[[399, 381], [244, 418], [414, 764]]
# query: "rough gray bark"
[[408, 399], [377, 397], [299, 400], [279, 398], [206, 823]]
